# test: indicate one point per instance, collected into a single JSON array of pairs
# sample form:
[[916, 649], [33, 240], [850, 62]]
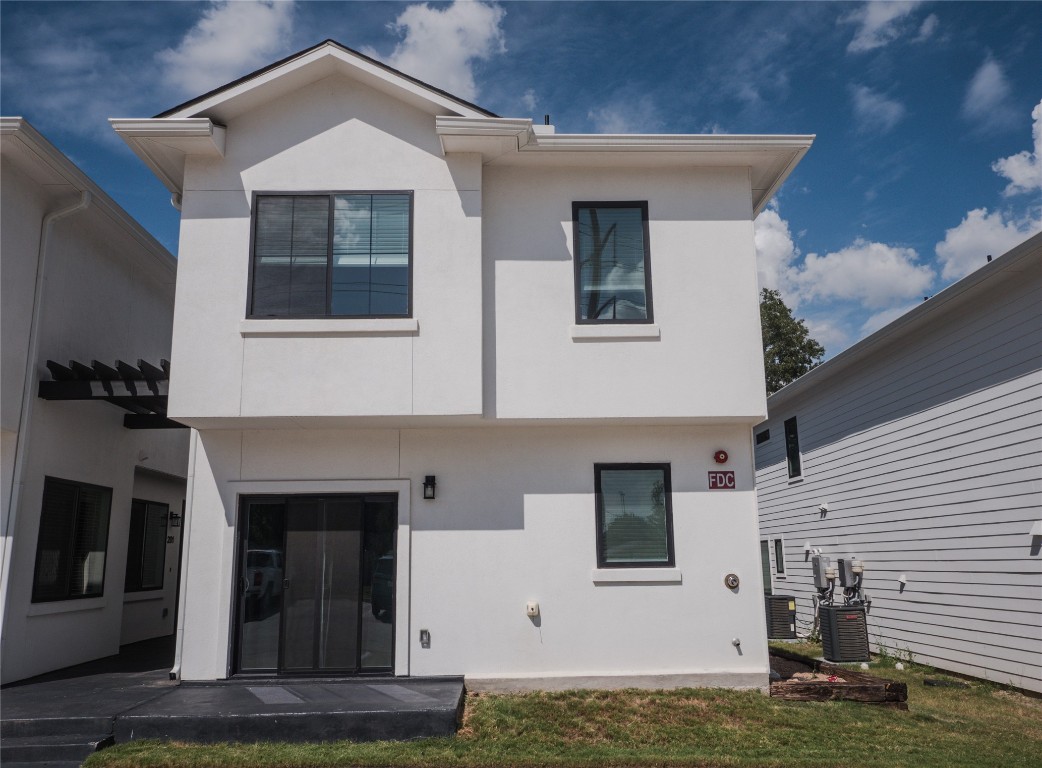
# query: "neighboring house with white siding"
[[435, 397], [919, 450], [90, 553]]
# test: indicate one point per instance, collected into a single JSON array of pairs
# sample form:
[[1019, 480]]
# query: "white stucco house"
[[919, 451], [456, 385], [90, 556]]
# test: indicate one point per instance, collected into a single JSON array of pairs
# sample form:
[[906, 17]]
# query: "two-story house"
[[89, 508], [468, 396]]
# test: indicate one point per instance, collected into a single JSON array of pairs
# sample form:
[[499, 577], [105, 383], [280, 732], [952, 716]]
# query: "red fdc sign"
[[719, 481]]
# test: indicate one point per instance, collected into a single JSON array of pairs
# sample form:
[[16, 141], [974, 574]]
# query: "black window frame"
[[132, 581], [779, 556], [577, 265], [793, 457], [670, 562], [330, 194], [71, 536]]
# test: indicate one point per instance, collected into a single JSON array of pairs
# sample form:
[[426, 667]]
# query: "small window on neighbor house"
[[612, 262], [332, 255], [146, 547], [634, 515], [763, 437], [779, 557], [765, 566], [792, 448], [73, 540]]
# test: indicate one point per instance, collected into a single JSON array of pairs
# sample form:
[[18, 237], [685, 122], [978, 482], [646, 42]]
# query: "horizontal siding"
[[929, 457]]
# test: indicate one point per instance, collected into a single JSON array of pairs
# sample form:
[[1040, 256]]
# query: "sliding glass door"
[[316, 584]]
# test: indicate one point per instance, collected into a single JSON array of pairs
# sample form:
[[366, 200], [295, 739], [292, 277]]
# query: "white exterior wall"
[[334, 135], [929, 456], [103, 300], [706, 361], [514, 521]]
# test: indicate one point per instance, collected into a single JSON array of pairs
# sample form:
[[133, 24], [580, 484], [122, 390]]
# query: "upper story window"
[[634, 515], [612, 262], [792, 449], [332, 255]]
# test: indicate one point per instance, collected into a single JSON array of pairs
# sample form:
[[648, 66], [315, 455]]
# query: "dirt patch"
[[789, 667]]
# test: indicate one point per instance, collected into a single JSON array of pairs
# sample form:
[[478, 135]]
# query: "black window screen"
[[634, 515], [332, 255], [146, 547], [73, 539], [612, 270], [792, 448]]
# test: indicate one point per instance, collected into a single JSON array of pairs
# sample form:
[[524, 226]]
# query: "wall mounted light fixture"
[[806, 546], [429, 485], [175, 519]]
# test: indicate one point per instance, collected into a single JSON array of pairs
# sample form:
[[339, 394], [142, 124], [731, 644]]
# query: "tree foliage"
[[788, 350]]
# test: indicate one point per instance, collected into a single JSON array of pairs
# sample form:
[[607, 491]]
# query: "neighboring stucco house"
[[919, 450], [440, 426], [89, 561]]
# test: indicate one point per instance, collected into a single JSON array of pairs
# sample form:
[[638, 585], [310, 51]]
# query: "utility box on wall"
[[844, 632], [781, 617]]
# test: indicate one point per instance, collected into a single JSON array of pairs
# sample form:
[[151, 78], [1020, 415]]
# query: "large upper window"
[[146, 548], [634, 515], [612, 267], [332, 255], [74, 533]]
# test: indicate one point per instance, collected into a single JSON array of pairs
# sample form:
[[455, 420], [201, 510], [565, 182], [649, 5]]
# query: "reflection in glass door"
[[317, 584]]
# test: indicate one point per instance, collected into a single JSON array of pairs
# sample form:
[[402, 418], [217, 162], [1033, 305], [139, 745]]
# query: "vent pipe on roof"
[[546, 119]]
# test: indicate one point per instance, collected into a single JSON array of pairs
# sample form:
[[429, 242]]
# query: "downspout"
[[186, 533], [29, 394]]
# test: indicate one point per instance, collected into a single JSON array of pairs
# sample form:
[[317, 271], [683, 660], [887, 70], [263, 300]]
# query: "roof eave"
[[163, 144]]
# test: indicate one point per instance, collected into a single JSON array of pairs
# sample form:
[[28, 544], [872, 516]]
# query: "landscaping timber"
[[850, 685]]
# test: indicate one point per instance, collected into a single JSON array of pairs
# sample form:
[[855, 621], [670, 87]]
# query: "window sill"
[[141, 597], [637, 576], [67, 606], [376, 326], [797, 479], [609, 332]]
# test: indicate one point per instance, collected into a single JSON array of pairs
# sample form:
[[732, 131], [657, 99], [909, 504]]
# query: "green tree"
[[788, 350]]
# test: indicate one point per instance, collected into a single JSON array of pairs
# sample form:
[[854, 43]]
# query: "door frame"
[[403, 560]]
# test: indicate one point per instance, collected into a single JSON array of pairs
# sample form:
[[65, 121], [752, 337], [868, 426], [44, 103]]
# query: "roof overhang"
[[29, 150], [769, 158], [164, 143]]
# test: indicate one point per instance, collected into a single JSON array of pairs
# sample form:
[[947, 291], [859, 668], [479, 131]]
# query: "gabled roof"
[[313, 64]]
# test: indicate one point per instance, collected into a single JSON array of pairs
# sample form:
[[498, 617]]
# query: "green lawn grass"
[[983, 725]]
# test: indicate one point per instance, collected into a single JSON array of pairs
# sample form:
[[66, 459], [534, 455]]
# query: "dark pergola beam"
[[149, 421], [100, 390]]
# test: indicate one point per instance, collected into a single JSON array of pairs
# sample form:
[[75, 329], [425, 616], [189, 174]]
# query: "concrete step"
[[298, 712], [74, 748], [54, 726]]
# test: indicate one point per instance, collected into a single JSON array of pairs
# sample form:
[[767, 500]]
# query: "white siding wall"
[[929, 456]]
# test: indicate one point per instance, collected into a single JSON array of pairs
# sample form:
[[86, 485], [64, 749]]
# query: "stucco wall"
[[514, 521]]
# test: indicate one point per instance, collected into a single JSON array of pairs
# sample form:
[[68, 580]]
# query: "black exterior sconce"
[[428, 487], [175, 519]]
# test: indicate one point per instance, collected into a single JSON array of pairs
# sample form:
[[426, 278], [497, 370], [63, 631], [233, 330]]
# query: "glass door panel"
[[378, 571], [261, 574]]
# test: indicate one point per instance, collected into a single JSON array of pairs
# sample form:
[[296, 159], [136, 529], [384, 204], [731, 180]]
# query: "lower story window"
[[634, 516], [146, 548], [74, 533]]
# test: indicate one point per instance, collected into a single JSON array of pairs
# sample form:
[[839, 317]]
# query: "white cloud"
[[827, 330], [529, 100], [875, 113], [927, 28], [987, 100], [230, 40], [885, 317], [639, 116], [440, 45], [1024, 169], [874, 274], [879, 23], [966, 246], [776, 253]]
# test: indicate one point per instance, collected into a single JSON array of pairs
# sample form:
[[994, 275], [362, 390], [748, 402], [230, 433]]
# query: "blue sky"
[[928, 114]]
